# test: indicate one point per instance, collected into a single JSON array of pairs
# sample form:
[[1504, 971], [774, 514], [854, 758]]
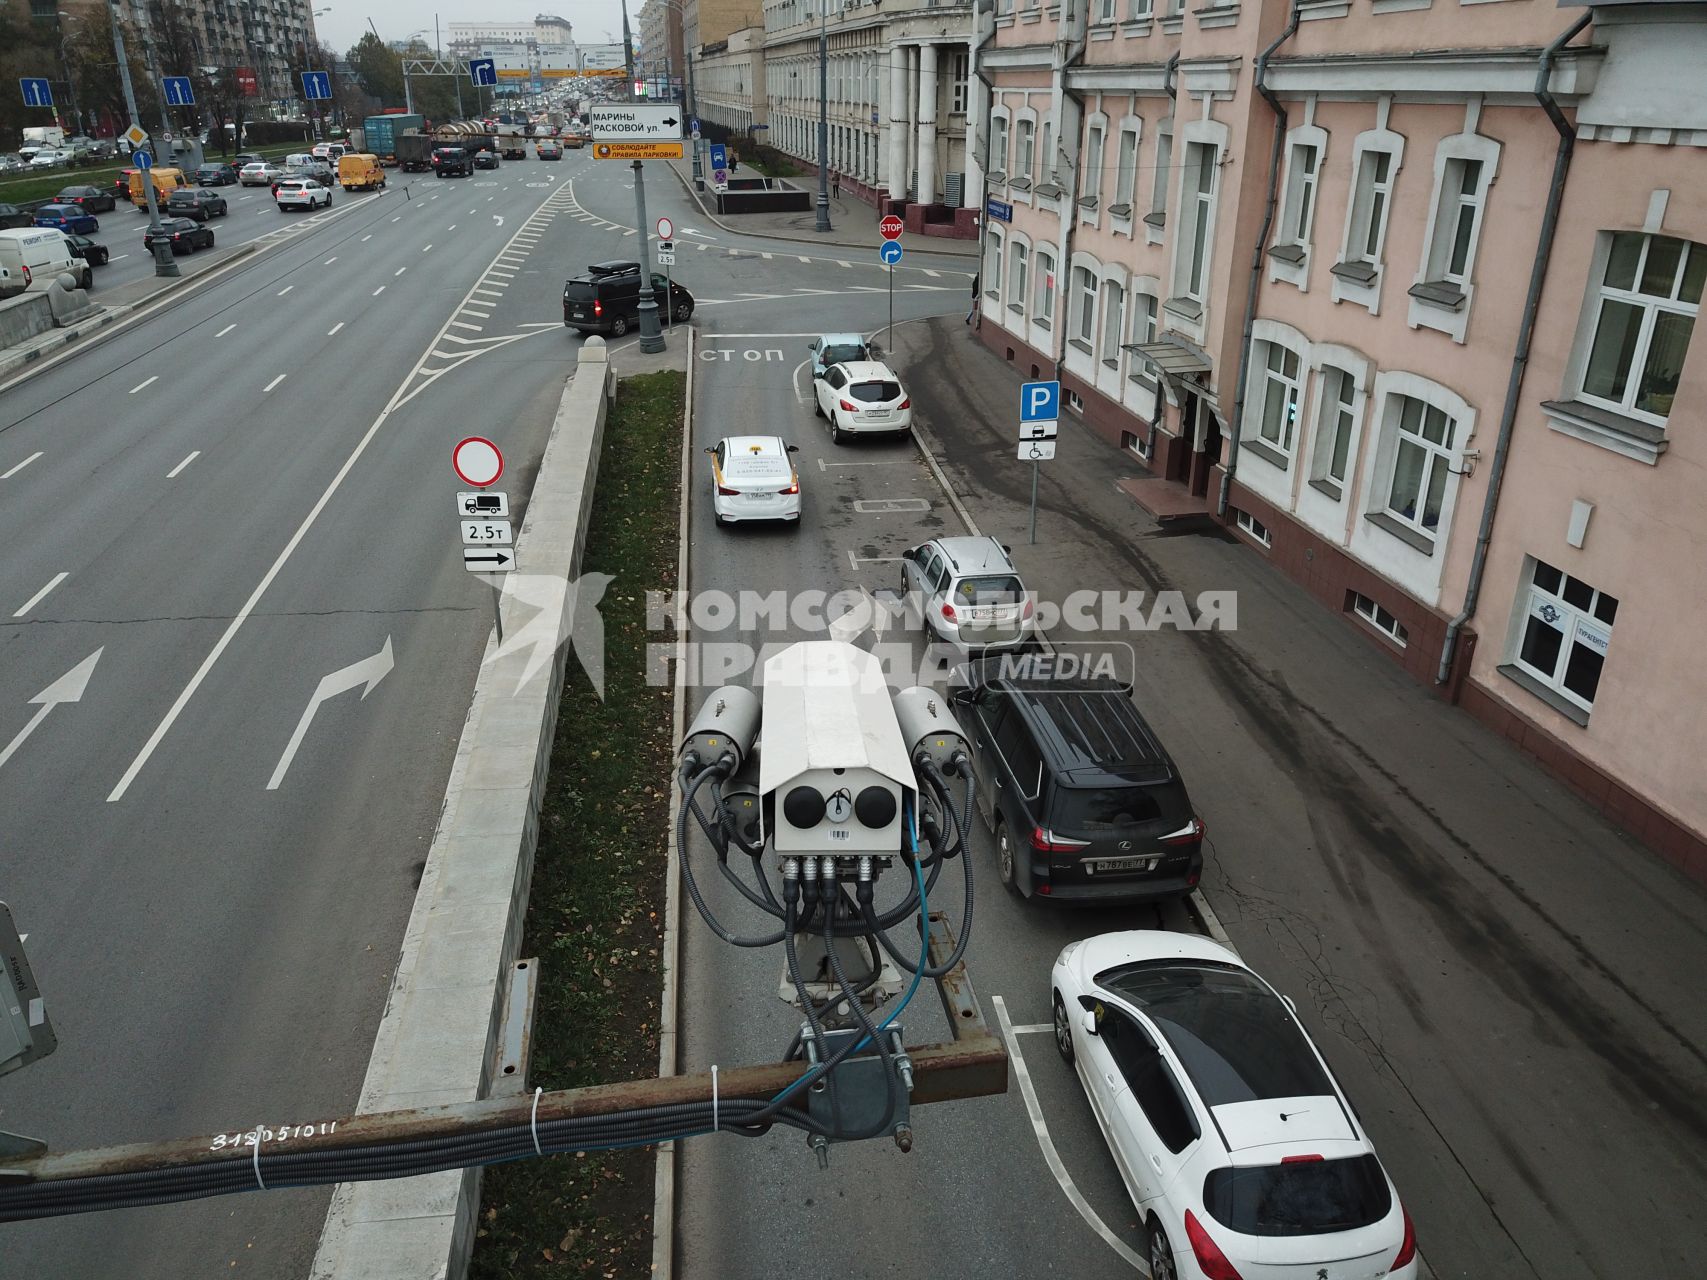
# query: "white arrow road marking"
[[368, 672], [689, 231], [68, 688], [498, 218]]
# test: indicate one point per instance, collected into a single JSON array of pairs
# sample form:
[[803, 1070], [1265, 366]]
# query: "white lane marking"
[[794, 381], [26, 462], [934, 275], [366, 238], [474, 211], [228, 328], [139, 386], [427, 248], [398, 218], [452, 227], [378, 291], [856, 561], [41, 595], [334, 329], [275, 382], [1047, 1145], [803, 257], [398, 272], [281, 293], [330, 261], [842, 262], [117, 256], [173, 473], [765, 256], [462, 324], [365, 674]]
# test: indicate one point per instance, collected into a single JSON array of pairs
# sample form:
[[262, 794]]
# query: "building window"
[[1334, 427], [1422, 462], [1455, 223], [1126, 175], [1024, 140], [1566, 632], [993, 268], [1140, 10], [1379, 618], [1043, 289], [1085, 306], [999, 144], [1300, 194], [1256, 529], [1199, 205], [1016, 277], [1369, 207], [957, 102], [1090, 165], [1113, 323], [1105, 11], [1143, 331], [1282, 386], [1075, 402], [1650, 295], [1048, 156], [1164, 162]]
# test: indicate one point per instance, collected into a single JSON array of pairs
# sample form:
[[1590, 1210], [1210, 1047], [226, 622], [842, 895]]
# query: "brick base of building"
[[1332, 576]]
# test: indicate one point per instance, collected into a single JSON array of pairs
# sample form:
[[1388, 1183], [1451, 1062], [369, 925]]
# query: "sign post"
[[890, 227], [1039, 416], [484, 516], [667, 260]]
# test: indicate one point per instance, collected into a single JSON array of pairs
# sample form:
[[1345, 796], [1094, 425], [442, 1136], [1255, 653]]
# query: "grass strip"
[[596, 911]]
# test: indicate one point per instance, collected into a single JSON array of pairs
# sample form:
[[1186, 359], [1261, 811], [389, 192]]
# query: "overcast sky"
[[397, 19]]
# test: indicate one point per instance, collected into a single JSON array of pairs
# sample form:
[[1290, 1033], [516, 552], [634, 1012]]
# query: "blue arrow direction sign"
[[483, 71], [178, 91], [1039, 401], [316, 86], [890, 251], [36, 92], [143, 159]]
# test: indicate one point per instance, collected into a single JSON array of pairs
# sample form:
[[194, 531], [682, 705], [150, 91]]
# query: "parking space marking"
[[41, 595], [1032, 1029], [463, 324], [880, 506], [1046, 1144], [883, 462], [173, 473], [26, 462], [856, 561], [117, 256], [139, 386], [228, 328]]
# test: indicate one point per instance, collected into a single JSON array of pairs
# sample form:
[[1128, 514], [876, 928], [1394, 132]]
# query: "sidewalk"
[[1494, 968], [853, 222]]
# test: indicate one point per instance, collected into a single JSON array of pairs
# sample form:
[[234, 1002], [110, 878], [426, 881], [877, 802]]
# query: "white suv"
[[862, 397], [301, 193], [969, 592]]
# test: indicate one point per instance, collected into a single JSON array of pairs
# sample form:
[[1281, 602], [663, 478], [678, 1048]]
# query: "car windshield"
[[1300, 1197], [841, 353], [1235, 1038], [875, 392]]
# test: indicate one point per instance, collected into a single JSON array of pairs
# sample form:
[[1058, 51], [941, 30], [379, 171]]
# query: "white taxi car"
[[1238, 1148], [753, 478], [862, 397]]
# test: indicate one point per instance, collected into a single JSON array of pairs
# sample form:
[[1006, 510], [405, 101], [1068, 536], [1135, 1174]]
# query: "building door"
[[1178, 464], [1203, 459]]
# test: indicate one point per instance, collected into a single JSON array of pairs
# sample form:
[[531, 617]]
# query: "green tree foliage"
[[27, 48], [378, 70]]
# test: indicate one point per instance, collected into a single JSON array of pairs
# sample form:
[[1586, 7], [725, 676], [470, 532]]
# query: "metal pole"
[[889, 333], [823, 116], [693, 114], [1033, 537], [70, 84], [164, 264], [651, 335]]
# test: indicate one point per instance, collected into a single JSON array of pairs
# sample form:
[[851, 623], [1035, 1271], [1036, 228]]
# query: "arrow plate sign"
[[488, 559]]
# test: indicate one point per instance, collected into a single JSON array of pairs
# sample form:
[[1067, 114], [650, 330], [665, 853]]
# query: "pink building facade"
[[1403, 290]]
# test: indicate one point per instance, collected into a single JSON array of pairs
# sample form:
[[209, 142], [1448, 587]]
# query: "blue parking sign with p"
[[1039, 401]]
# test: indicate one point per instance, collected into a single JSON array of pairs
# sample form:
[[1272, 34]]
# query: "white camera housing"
[[726, 721], [928, 727], [834, 776]]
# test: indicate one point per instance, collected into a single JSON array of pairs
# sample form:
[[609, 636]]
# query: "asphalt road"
[[228, 502]]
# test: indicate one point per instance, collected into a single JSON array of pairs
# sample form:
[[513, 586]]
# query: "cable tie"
[[533, 1119], [256, 1161], [714, 1097]]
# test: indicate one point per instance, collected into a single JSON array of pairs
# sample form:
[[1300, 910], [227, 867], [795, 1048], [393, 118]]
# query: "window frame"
[[1193, 258], [1649, 306], [1018, 263], [1042, 291], [1126, 168], [1530, 594], [1111, 305], [1025, 144], [1333, 379], [1085, 284], [1291, 389], [1366, 223], [999, 153], [1090, 160], [1303, 188], [1434, 455], [1164, 167]]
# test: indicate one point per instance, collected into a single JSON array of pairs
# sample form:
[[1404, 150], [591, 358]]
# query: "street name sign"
[[635, 121]]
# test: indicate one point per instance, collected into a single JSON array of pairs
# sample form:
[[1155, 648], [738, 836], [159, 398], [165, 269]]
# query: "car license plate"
[[877, 413], [1119, 864], [981, 615]]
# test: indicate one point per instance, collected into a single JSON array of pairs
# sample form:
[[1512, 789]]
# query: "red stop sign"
[[890, 226]]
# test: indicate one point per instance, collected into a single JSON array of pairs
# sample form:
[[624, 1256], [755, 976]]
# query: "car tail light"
[[26, 275], [1191, 833], [1299, 1159], [1210, 1260], [905, 404], [793, 488], [174, 235], [724, 491], [1407, 1250], [948, 614], [598, 307], [848, 406], [1027, 610], [1046, 841]]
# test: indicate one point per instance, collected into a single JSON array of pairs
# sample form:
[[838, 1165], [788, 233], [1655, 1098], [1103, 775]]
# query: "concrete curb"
[[437, 1039], [970, 251], [669, 1042], [49, 343]]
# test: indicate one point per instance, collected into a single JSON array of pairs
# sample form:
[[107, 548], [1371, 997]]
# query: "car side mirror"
[[1006, 549], [794, 448], [708, 450], [1089, 1022]]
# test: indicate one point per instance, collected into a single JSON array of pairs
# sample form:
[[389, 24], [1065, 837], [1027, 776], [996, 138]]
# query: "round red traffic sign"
[[890, 226], [666, 229], [477, 461]]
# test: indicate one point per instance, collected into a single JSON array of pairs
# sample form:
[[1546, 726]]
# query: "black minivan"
[[607, 299], [1086, 805]]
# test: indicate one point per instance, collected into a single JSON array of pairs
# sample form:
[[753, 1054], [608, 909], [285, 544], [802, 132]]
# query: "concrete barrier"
[[438, 1038], [26, 316]]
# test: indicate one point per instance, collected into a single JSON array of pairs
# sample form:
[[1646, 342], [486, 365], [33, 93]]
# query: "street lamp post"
[[651, 332], [164, 263], [65, 58], [823, 116]]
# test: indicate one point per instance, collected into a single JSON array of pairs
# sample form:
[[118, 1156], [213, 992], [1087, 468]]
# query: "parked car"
[[862, 398], [486, 160], [970, 592], [12, 216], [753, 478], [836, 348], [184, 235], [258, 173], [66, 217], [193, 202], [1087, 806], [90, 199], [301, 193], [607, 299], [12, 162], [51, 158], [215, 175], [1240, 1152], [91, 251]]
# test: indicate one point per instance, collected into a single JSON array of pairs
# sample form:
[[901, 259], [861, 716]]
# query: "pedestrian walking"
[[971, 310], [835, 186]]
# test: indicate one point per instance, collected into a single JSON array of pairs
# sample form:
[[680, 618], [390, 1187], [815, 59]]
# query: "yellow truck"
[[166, 181], [360, 171]]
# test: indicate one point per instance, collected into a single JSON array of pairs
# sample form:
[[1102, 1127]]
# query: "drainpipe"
[[1168, 77], [984, 17], [1257, 252], [1526, 331], [1069, 52]]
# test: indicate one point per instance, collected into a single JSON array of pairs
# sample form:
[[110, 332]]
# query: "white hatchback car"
[[862, 397], [1241, 1153], [970, 593], [302, 193], [753, 478]]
